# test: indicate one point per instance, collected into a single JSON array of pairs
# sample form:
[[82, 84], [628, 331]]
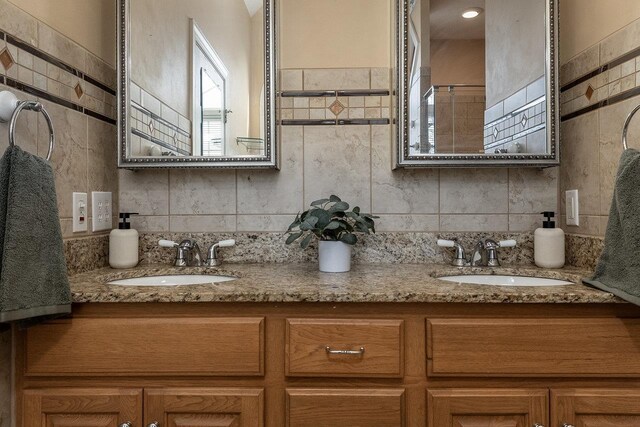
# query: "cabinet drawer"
[[375, 348], [529, 347], [348, 407], [146, 346]]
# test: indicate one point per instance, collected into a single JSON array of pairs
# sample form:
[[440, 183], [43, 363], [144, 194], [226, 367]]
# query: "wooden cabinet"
[[344, 348], [595, 407], [267, 365], [82, 407], [179, 407], [487, 407], [345, 407]]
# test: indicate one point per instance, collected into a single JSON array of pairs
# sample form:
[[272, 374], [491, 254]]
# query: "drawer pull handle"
[[154, 424], [126, 424], [348, 352], [538, 425], [567, 425]]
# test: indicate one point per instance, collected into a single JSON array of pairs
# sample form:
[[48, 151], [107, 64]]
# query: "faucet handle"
[[446, 243], [507, 243], [167, 243], [212, 255], [226, 243]]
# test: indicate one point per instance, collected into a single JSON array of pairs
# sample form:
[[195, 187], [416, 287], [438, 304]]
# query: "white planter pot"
[[334, 257]]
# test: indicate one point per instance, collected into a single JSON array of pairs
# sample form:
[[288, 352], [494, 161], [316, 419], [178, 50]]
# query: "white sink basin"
[[497, 280], [173, 280]]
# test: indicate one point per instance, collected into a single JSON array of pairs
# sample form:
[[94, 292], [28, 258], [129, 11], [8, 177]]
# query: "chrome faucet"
[[212, 254], [485, 253], [188, 252]]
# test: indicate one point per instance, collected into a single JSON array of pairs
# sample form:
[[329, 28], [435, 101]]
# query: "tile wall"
[[78, 90], [599, 87], [353, 161], [155, 124]]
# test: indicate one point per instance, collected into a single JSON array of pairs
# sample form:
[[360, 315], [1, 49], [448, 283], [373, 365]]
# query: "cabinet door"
[[595, 408], [487, 408], [82, 407], [204, 407]]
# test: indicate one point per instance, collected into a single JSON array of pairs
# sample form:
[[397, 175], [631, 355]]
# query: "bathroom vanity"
[[284, 345]]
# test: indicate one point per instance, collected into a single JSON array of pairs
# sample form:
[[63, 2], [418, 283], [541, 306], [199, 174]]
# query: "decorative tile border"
[[38, 73], [154, 123], [517, 124], [328, 122], [334, 96], [610, 83]]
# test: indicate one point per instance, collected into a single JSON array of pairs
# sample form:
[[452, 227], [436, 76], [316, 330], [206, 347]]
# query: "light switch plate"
[[573, 207], [101, 207], [80, 212]]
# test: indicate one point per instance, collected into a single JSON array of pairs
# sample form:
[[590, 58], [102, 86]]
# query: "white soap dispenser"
[[548, 244], [123, 244]]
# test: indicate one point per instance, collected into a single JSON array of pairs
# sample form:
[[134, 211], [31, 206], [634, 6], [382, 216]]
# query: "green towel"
[[618, 270], [33, 273]]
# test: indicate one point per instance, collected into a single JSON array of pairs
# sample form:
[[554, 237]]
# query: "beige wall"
[[161, 52], [90, 23], [515, 37], [335, 33], [457, 62], [257, 73], [585, 23]]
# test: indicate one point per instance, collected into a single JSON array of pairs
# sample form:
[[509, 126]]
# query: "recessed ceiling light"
[[472, 12]]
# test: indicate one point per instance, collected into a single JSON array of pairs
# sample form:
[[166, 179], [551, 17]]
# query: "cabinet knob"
[[567, 425], [154, 424], [538, 425], [126, 424]]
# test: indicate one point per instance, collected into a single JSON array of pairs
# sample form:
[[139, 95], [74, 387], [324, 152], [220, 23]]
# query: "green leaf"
[[292, 237], [349, 238], [323, 218], [356, 210], [319, 202], [309, 223], [339, 206], [333, 225], [305, 242], [334, 198]]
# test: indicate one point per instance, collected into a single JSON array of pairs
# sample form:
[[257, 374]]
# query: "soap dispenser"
[[548, 244], [123, 244]]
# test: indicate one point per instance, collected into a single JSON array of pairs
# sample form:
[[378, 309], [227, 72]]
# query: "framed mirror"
[[477, 83], [196, 85]]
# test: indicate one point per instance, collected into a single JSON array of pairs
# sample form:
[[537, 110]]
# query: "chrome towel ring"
[[10, 109], [625, 128]]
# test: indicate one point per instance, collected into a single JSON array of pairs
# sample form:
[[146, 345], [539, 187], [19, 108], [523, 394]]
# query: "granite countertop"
[[395, 283]]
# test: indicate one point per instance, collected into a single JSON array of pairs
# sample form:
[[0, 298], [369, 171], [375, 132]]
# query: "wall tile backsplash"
[[78, 90], [156, 128], [518, 123], [599, 87]]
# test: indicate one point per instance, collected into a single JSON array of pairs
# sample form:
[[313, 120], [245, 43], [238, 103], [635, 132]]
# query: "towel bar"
[[625, 128], [10, 108]]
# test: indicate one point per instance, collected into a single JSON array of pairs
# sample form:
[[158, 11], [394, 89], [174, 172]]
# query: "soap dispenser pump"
[[123, 244], [548, 244]]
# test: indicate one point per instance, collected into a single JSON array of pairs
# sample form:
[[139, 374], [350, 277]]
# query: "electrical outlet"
[[573, 207], [102, 210], [79, 212]]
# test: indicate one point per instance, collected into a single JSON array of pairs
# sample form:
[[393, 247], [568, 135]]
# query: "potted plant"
[[331, 222]]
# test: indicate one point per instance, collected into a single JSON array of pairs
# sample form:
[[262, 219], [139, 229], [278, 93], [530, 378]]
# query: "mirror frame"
[[271, 158], [402, 157]]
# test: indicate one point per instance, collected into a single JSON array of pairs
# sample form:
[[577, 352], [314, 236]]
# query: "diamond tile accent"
[[495, 132], [79, 91], [151, 127], [175, 138], [524, 120], [589, 93], [336, 107], [6, 59]]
